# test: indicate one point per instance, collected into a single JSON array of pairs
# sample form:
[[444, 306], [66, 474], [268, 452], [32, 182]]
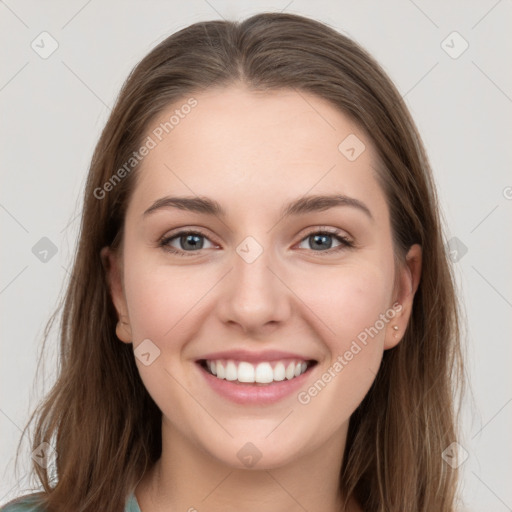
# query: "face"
[[256, 283]]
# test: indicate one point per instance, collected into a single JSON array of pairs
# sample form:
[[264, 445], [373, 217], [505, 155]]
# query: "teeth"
[[246, 372], [290, 371], [279, 372], [231, 373], [221, 373], [262, 373]]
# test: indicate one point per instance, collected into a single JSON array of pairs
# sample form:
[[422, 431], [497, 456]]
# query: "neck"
[[188, 478]]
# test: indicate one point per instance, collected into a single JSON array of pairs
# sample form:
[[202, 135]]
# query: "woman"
[[255, 369]]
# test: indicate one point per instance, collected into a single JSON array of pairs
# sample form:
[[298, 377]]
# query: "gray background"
[[54, 108]]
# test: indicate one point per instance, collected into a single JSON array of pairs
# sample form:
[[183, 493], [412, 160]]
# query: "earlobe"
[[123, 331], [408, 282], [113, 272]]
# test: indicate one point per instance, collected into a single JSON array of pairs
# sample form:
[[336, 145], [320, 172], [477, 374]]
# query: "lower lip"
[[249, 393]]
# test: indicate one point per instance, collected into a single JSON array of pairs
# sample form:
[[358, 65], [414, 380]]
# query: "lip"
[[253, 357], [252, 393]]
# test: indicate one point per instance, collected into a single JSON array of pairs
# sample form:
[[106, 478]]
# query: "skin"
[[252, 153]]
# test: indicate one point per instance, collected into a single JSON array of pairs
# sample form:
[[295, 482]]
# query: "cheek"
[[162, 301], [160, 298], [362, 299], [353, 306], [347, 300], [341, 301]]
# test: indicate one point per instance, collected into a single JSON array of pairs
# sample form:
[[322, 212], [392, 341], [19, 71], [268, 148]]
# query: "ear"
[[406, 284], [112, 264]]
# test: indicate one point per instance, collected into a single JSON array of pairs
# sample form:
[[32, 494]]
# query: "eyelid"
[[188, 230], [331, 230]]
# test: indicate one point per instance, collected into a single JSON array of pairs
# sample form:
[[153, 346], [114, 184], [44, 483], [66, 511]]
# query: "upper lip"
[[254, 357]]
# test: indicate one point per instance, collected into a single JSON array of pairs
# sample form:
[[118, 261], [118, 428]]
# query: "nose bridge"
[[255, 296], [251, 269]]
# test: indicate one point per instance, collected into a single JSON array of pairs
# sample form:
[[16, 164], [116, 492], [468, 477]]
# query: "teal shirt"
[[28, 504]]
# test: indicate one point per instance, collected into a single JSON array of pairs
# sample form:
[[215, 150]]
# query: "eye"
[[185, 240], [186, 243], [320, 240]]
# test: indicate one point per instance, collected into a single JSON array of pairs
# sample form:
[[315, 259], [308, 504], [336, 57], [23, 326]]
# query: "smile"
[[258, 383], [265, 372]]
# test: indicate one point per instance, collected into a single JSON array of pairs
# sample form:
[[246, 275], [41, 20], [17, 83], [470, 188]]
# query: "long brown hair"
[[100, 419]]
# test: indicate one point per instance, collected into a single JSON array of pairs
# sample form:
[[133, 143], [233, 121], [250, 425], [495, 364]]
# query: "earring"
[[395, 328]]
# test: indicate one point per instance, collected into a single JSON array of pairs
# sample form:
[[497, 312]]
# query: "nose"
[[254, 295]]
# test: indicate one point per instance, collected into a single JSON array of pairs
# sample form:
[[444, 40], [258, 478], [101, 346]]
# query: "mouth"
[[264, 373]]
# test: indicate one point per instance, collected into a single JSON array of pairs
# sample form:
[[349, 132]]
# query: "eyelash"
[[346, 243]]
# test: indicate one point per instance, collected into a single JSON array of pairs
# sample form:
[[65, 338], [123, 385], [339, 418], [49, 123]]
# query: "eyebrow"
[[303, 205]]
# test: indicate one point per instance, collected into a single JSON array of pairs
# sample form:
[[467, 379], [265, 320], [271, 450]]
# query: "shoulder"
[[27, 503], [30, 503]]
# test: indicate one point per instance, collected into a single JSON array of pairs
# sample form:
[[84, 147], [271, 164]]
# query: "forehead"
[[239, 144]]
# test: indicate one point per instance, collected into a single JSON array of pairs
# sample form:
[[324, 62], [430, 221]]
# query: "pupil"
[[194, 244], [318, 240]]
